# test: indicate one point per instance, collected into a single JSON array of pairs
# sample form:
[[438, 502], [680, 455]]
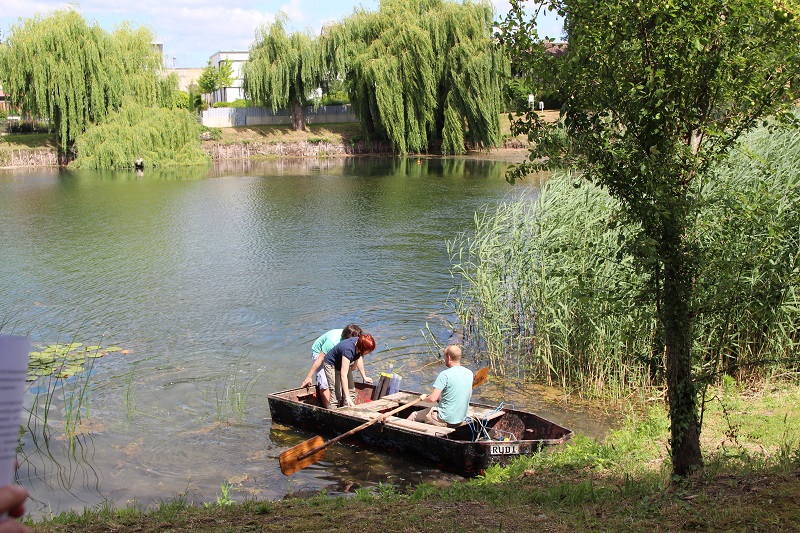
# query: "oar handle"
[[380, 418]]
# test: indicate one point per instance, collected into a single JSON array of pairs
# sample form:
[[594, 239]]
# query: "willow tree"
[[74, 73], [420, 72], [654, 94], [158, 136], [283, 70]]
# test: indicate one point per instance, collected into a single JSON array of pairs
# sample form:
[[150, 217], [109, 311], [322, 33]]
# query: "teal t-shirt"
[[456, 386], [325, 342]]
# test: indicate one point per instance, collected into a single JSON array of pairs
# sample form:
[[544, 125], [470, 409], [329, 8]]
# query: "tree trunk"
[[676, 318], [298, 117]]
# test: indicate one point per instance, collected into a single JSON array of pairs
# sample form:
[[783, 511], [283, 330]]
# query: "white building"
[[235, 92]]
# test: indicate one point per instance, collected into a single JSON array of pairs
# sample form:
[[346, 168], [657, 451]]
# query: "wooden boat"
[[489, 435]]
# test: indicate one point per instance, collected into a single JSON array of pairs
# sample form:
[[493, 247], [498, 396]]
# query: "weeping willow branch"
[[283, 69], [422, 72], [159, 136]]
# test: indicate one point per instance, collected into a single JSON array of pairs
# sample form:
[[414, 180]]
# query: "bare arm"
[[432, 397], [360, 367], [343, 378], [314, 369]]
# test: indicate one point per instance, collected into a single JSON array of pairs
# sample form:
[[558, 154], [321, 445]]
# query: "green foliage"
[[195, 98], [420, 72], [335, 98], [654, 93], [215, 134], [283, 69], [225, 73], [207, 82], [75, 73], [161, 137], [216, 77], [182, 100], [561, 299], [554, 296], [239, 102], [748, 285], [223, 499]]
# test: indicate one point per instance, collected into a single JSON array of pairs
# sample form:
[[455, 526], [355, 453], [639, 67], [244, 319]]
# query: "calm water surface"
[[216, 283]]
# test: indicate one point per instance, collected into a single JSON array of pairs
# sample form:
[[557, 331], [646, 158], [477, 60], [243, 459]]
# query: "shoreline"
[[222, 152]]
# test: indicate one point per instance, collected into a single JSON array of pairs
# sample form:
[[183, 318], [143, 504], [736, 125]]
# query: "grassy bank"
[[27, 141], [751, 483]]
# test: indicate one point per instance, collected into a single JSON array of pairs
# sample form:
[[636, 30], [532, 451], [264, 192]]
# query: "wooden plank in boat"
[[382, 404], [359, 413], [419, 427]]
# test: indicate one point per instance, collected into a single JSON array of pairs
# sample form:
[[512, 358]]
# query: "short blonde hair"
[[453, 352]]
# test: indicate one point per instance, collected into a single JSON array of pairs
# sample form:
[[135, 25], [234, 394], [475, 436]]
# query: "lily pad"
[[64, 360]]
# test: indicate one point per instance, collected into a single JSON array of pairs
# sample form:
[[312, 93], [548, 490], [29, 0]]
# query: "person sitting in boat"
[[340, 373], [452, 390], [320, 348]]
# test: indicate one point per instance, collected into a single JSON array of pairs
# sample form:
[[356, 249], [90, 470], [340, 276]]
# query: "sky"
[[194, 30]]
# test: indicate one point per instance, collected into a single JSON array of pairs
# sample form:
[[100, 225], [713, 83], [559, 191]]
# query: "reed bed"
[[549, 290]]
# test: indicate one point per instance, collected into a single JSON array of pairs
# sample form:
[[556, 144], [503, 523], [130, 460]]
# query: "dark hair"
[[351, 330], [365, 344]]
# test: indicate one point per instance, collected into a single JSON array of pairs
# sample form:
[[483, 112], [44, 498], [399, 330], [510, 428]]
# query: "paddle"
[[309, 452]]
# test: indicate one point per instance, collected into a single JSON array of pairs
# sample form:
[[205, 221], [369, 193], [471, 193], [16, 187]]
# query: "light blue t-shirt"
[[325, 342], [456, 386]]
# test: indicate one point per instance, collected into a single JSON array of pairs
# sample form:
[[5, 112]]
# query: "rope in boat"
[[479, 427]]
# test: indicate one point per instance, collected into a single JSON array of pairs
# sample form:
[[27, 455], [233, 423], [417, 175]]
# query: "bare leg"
[[326, 398]]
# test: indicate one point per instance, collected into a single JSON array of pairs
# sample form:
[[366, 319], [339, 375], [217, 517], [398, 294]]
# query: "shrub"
[[160, 137]]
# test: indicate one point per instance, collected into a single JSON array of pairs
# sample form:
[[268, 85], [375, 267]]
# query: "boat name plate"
[[504, 449]]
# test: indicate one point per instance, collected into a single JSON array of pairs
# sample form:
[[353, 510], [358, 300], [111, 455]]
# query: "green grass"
[[27, 141]]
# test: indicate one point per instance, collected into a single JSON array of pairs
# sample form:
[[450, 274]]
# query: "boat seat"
[[383, 404], [419, 427]]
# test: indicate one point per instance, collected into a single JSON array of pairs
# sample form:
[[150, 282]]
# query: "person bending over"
[[319, 349], [339, 363]]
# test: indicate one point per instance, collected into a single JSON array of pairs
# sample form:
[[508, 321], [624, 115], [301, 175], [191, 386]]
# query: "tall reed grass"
[[549, 289]]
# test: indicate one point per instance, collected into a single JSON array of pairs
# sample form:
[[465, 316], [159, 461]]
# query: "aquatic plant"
[[64, 360]]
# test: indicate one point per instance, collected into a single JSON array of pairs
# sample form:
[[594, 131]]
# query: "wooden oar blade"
[[289, 459], [480, 377]]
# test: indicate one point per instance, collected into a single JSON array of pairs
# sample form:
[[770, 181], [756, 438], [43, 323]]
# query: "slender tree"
[[214, 78], [283, 70], [654, 92], [420, 72], [74, 73], [207, 82]]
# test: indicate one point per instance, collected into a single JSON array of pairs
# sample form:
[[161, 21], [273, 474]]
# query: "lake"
[[213, 284]]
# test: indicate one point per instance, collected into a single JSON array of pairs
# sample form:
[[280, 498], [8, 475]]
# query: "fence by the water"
[[226, 117], [45, 157]]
